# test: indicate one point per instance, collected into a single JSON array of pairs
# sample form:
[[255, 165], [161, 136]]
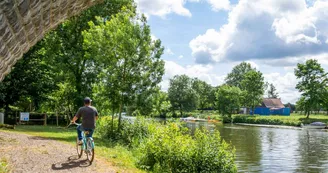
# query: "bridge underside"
[[24, 22]]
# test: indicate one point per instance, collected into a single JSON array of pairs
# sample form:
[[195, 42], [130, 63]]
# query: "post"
[[57, 118], [45, 120], [19, 122], [16, 117]]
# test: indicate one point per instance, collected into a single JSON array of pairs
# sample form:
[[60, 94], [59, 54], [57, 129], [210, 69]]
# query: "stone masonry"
[[24, 22]]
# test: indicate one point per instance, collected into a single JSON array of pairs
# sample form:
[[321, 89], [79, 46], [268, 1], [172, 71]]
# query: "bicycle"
[[88, 145]]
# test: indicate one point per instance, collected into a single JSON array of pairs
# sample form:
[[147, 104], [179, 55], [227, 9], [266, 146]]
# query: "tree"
[[64, 48], [203, 90], [312, 83], [237, 74], [31, 78], [181, 94], [131, 62], [272, 91], [161, 104], [253, 84], [229, 99]]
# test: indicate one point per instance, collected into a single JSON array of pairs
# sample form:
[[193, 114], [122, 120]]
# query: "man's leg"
[[79, 132], [90, 132]]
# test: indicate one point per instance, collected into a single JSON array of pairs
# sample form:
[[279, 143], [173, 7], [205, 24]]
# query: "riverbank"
[[293, 120]]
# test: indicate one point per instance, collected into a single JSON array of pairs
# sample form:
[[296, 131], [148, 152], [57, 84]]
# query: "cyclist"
[[89, 116]]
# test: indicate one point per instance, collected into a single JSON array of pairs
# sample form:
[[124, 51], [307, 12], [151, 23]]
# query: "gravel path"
[[36, 154]]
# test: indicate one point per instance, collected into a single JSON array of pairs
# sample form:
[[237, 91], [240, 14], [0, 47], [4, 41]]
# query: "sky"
[[207, 38]]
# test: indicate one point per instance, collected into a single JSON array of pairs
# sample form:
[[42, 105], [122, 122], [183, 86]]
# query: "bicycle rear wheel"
[[79, 148], [90, 150]]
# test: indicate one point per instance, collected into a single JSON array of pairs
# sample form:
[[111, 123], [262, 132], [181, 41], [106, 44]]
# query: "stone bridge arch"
[[24, 22]]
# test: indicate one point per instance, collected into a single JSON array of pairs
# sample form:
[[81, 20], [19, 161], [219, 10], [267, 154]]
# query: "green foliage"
[[30, 79], [237, 74], [4, 165], [170, 149], [269, 120], [253, 85], [203, 91], [133, 131], [229, 99], [130, 60], [181, 94], [312, 85]]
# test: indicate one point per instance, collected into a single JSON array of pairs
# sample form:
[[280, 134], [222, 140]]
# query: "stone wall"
[[24, 22]]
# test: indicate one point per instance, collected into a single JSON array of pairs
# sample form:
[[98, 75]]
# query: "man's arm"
[[77, 116]]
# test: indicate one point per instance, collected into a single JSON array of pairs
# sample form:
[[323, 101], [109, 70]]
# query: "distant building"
[[272, 106], [272, 103]]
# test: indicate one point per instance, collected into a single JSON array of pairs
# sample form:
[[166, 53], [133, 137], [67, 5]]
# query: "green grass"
[[293, 120], [118, 156], [4, 168]]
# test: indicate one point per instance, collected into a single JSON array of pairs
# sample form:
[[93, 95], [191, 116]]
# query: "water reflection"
[[274, 150]]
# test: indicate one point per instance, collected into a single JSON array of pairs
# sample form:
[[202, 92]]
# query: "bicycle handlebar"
[[73, 124]]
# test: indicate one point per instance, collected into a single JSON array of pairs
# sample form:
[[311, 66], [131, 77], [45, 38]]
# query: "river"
[[260, 149]]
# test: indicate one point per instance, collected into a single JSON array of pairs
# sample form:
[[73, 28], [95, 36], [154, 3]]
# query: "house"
[[272, 106], [272, 103]]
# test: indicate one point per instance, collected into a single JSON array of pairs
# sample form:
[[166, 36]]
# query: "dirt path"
[[36, 154]]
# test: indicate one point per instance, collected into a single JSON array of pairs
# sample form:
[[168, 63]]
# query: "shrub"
[[132, 132], [171, 149]]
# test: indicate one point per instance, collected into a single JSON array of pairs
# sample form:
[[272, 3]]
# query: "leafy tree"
[[253, 84], [272, 91], [161, 104], [130, 60], [229, 99], [181, 94], [64, 48], [312, 84], [31, 78], [203, 90], [237, 74]]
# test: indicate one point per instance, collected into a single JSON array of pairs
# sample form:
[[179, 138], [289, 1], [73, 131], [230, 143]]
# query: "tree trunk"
[[308, 114]]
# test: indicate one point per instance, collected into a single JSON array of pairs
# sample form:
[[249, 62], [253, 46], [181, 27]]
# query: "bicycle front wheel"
[[90, 150], [79, 148]]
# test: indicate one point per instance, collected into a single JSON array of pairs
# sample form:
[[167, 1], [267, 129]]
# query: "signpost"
[[24, 116]]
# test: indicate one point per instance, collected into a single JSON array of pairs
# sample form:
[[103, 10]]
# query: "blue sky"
[[206, 38]]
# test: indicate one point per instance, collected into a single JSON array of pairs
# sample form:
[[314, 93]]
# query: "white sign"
[[24, 116]]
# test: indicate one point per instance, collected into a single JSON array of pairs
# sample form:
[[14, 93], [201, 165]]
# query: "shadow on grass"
[[72, 162]]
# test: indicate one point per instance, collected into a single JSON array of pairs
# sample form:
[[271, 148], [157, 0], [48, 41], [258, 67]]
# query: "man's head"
[[87, 101]]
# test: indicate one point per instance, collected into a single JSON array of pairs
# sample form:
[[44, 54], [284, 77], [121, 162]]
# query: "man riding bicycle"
[[89, 116]]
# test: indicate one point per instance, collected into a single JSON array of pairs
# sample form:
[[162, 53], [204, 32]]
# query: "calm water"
[[260, 149]]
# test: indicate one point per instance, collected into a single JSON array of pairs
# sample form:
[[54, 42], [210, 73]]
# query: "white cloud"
[[218, 5], [266, 29], [203, 72], [285, 85], [169, 51], [163, 7], [180, 57], [153, 37]]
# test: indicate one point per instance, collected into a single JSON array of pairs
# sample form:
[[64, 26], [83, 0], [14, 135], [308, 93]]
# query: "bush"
[[269, 120], [171, 149], [132, 132]]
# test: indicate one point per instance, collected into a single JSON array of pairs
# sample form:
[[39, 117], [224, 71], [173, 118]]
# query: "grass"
[[4, 168], [293, 120], [118, 156]]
